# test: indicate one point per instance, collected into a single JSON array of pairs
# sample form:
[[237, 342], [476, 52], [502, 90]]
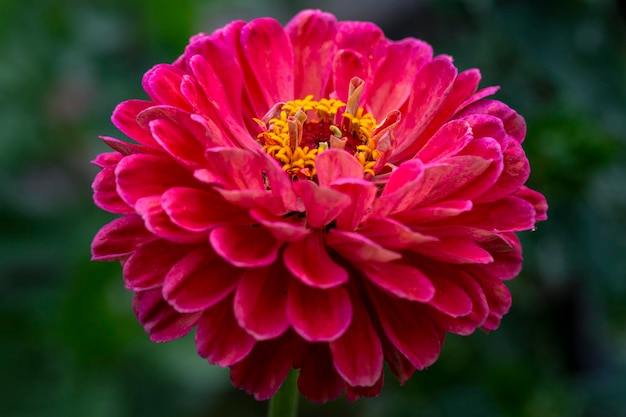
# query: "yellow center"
[[295, 132]]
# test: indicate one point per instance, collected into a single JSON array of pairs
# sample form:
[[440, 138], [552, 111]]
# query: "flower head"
[[315, 197]]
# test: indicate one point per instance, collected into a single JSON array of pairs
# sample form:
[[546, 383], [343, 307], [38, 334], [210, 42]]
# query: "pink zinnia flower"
[[315, 197]]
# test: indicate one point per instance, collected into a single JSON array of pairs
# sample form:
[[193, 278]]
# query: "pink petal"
[[309, 261], [334, 164], [411, 332], [199, 281], [288, 229], [245, 247], [312, 35], [398, 364], [125, 148], [265, 368], [219, 338], [392, 234], [105, 192], [402, 190], [261, 300], [106, 159], [510, 214], [507, 254], [362, 194], [119, 238], [159, 319], [449, 297], [363, 37], [322, 204], [358, 353], [318, 315], [432, 85], [537, 200], [354, 393], [178, 142], [358, 248], [162, 83], [447, 141], [516, 172], [158, 222], [347, 64], [125, 119], [498, 298], [142, 175], [391, 87], [233, 169], [455, 249], [197, 210], [148, 266], [318, 381], [403, 281], [267, 48], [514, 124], [438, 211]]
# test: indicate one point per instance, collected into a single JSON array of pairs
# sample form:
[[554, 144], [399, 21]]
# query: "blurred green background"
[[69, 345]]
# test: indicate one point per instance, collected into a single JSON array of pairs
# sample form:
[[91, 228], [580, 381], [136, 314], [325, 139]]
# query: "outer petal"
[[118, 239], [403, 281], [312, 35], [261, 300], [105, 192], [219, 338], [318, 315], [354, 393], [358, 248], [362, 194], [358, 354], [267, 47], [408, 328], [265, 368], [309, 261], [199, 280], [125, 119], [159, 319], [246, 247], [148, 266], [322, 204], [318, 380], [158, 222]]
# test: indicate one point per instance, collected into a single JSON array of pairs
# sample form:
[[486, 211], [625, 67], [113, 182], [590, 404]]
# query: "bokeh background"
[[69, 345]]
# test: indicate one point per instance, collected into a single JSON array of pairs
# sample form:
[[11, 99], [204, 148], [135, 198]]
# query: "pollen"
[[295, 132]]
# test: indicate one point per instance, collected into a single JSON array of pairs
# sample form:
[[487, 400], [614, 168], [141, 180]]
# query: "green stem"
[[285, 402]]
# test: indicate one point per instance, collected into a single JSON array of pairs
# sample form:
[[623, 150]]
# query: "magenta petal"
[[402, 190], [246, 247], [398, 364], [119, 238], [268, 36], [261, 300], [362, 194], [248, 174], [516, 172], [363, 37], [457, 250], [347, 64], [159, 319], [334, 164], [391, 87], [265, 368], [353, 393], [318, 315], [219, 338], [105, 192], [312, 35], [162, 83], [536, 199], [199, 280], [498, 298], [309, 261], [125, 119], [438, 211], [358, 248], [358, 353], [318, 380], [447, 141], [158, 222], [392, 234], [178, 141], [450, 298], [322, 204], [288, 229], [510, 214], [406, 326], [148, 266], [197, 210], [403, 281], [142, 175]]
